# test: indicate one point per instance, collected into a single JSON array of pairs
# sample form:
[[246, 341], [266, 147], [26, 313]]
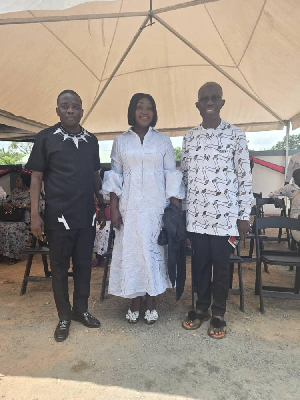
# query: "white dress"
[[144, 177]]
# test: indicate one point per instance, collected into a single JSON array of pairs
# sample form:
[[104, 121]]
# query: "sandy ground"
[[259, 358]]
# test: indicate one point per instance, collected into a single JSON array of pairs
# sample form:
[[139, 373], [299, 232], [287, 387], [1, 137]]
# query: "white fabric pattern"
[[216, 173], [144, 177], [294, 164], [101, 239], [292, 191], [82, 136]]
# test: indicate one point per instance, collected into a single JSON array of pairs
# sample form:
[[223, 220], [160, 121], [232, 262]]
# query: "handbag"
[[15, 215], [163, 237]]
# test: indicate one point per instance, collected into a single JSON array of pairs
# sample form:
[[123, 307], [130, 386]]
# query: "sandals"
[[217, 323], [151, 316], [132, 316], [192, 316]]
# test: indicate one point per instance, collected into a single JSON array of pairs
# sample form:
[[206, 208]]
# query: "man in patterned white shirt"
[[216, 173]]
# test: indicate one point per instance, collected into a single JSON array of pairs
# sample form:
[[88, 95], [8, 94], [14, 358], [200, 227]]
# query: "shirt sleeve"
[[113, 179], [290, 170], [173, 178], [184, 169], [244, 176], [38, 159], [284, 191], [97, 164]]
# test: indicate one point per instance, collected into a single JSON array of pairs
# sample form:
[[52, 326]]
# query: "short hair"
[[210, 84], [70, 91], [133, 104], [296, 173], [26, 178]]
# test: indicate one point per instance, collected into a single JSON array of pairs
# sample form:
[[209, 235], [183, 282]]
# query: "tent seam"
[[68, 48], [252, 34]]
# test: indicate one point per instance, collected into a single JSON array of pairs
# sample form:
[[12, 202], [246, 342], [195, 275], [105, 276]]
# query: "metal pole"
[[117, 67], [287, 137], [191, 46]]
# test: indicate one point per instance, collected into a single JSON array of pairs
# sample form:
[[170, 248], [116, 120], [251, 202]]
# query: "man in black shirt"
[[66, 157]]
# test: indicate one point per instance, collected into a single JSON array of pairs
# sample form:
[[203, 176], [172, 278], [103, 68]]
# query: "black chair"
[[36, 248], [107, 256], [283, 258], [260, 202], [33, 250]]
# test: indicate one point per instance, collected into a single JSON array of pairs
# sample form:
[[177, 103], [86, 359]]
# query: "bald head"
[[210, 84], [209, 104]]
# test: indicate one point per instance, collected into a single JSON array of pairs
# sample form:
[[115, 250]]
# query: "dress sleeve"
[[113, 179], [173, 178], [244, 176]]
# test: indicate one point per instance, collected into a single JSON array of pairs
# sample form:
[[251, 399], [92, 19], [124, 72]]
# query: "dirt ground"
[[259, 358]]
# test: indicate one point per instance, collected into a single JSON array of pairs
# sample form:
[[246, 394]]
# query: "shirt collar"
[[149, 130], [223, 125]]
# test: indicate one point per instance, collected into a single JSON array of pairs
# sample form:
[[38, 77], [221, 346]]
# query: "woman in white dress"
[[142, 181]]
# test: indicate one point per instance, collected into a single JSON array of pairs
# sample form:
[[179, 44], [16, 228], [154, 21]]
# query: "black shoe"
[[86, 319], [62, 331]]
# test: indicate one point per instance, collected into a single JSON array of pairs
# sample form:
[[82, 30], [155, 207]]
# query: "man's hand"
[[116, 218], [102, 218], [37, 226], [244, 228]]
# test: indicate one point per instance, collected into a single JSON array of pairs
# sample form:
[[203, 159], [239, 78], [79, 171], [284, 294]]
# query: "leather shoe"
[[86, 319], [62, 331]]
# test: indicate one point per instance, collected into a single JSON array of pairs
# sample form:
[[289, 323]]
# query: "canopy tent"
[[108, 50]]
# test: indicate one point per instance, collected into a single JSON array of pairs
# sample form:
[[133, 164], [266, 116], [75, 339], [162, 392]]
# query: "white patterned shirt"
[[217, 176]]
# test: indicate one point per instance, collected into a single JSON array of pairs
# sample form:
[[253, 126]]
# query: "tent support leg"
[[191, 46], [136, 36], [287, 138]]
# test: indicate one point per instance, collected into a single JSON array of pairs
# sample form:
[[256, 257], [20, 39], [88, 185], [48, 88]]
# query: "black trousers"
[[78, 245], [211, 251]]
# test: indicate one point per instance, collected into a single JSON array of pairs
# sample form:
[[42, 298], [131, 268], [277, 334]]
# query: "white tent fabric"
[[250, 47]]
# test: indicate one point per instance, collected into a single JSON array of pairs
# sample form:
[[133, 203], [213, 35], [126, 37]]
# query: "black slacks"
[[78, 245], [211, 251]]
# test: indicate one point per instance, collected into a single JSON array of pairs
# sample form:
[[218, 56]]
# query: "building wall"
[[266, 180]]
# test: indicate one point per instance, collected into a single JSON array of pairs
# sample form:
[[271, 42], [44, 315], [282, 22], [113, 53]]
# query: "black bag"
[[15, 215], [163, 237]]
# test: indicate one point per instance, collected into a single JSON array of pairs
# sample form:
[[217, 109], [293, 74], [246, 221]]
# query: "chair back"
[[276, 222], [260, 202]]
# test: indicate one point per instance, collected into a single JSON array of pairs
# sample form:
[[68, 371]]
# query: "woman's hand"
[[102, 218], [8, 207], [116, 218]]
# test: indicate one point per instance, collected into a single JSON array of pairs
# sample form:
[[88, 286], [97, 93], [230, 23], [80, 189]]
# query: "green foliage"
[[15, 154], [294, 143], [177, 153]]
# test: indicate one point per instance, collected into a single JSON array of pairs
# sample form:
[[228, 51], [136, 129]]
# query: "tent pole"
[[287, 138], [191, 46], [117, 67]]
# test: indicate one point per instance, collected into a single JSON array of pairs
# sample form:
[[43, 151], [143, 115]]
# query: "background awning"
[[250, 47]]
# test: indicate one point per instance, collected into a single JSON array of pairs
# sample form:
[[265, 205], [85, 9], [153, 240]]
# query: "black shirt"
[[68, 162]]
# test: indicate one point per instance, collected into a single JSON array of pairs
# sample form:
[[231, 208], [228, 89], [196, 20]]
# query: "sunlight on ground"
[[26, 388]]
